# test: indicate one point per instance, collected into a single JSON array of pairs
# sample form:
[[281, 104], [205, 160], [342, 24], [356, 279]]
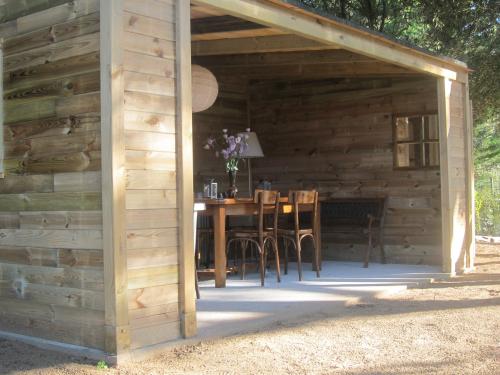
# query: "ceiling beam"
[[309, 26], [324, 56], [222, 24], [310, 71], [262, 44]]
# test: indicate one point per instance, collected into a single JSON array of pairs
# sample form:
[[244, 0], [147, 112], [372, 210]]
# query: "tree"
[[467, 30], [464, 29]]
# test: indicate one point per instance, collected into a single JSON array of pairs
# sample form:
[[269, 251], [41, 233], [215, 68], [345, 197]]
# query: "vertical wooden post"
[[185, 198], [469, 175], [1, 114], [444, 91], [113, 179]]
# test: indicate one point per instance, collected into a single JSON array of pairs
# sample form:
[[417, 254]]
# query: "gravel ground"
[[450, 327]]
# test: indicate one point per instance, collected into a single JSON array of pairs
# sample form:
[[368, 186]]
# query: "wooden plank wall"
[[51, 263], [336, 135], [151, 201]]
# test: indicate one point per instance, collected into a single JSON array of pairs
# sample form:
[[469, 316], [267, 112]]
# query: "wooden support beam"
[[444, 91], [309, 26], [262, 44], [117, 332], [469, 157], [312, 71], [221, 24], [185, 198], [334, 56]]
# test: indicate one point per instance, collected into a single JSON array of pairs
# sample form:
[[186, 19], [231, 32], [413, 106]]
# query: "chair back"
[[299, 198], [266, 200]]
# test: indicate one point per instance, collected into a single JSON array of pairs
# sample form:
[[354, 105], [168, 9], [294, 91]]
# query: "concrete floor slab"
[[245, 306]]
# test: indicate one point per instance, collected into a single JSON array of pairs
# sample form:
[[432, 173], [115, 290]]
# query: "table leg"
[[220, 246], [317, 231]]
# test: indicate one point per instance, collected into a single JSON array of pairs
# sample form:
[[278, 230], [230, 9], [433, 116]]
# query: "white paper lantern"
[[204, 88]]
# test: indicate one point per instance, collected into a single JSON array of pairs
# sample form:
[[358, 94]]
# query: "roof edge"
[[298, 6]]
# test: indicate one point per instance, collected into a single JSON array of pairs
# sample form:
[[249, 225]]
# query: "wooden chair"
[[295, 236], [350, 216], [261, 236]]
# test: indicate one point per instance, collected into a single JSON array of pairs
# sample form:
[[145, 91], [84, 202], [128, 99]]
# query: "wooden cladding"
[[151, 225], [336, 136], [51, 239]]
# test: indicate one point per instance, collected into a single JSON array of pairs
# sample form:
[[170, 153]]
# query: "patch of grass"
[[102, 365]]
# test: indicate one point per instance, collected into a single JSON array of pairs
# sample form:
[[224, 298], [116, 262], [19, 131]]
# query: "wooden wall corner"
[[185, 196], [113, 179]]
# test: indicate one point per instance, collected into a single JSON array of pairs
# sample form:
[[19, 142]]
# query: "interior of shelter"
[[346, 125]]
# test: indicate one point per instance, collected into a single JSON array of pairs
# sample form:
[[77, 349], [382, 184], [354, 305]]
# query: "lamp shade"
[[204, 88], [254, 150]]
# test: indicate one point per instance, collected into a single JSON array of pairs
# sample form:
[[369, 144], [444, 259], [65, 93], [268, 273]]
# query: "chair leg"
[[383, 260], [299, 258], [264, 250], [244, 246], [277, 256], [262, 267], [286, 243], [316, 256], [368, 250]]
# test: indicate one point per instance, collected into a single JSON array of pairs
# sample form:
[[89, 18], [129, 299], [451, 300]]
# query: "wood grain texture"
[[113, 180], [150, 113], [334, 135], [51, 245], [185, 184]]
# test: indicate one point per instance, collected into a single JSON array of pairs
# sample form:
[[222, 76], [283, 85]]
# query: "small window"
[[416, 141]]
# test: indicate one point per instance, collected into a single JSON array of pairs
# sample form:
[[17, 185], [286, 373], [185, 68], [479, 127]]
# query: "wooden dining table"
[[219, 209]]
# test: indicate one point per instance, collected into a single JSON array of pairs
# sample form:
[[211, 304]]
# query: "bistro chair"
[[261, 237], [298, 199]]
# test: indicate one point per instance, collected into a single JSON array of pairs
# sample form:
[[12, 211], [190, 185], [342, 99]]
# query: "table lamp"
[[254, 150]]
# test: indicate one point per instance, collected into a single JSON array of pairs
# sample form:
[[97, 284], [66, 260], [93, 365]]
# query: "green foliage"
[[487, 144], [464, 29], [468, 30], [102, 365], [487, 212]]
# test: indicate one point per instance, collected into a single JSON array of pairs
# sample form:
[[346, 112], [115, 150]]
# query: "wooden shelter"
[[99, 163]]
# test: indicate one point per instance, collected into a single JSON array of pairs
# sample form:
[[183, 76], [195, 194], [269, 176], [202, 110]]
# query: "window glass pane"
[[431, 129], [431, 154], [408, 128], [407, 155]]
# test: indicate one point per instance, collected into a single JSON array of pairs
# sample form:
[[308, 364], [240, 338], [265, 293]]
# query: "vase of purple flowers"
[[231, 148]]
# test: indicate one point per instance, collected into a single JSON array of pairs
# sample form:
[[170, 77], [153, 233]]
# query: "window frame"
[[421, 142]]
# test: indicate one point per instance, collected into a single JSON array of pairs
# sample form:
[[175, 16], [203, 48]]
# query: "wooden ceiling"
[[208, 24], [230, 45]]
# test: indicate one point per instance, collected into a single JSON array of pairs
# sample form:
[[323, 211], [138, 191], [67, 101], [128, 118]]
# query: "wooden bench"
[[367, 213]]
